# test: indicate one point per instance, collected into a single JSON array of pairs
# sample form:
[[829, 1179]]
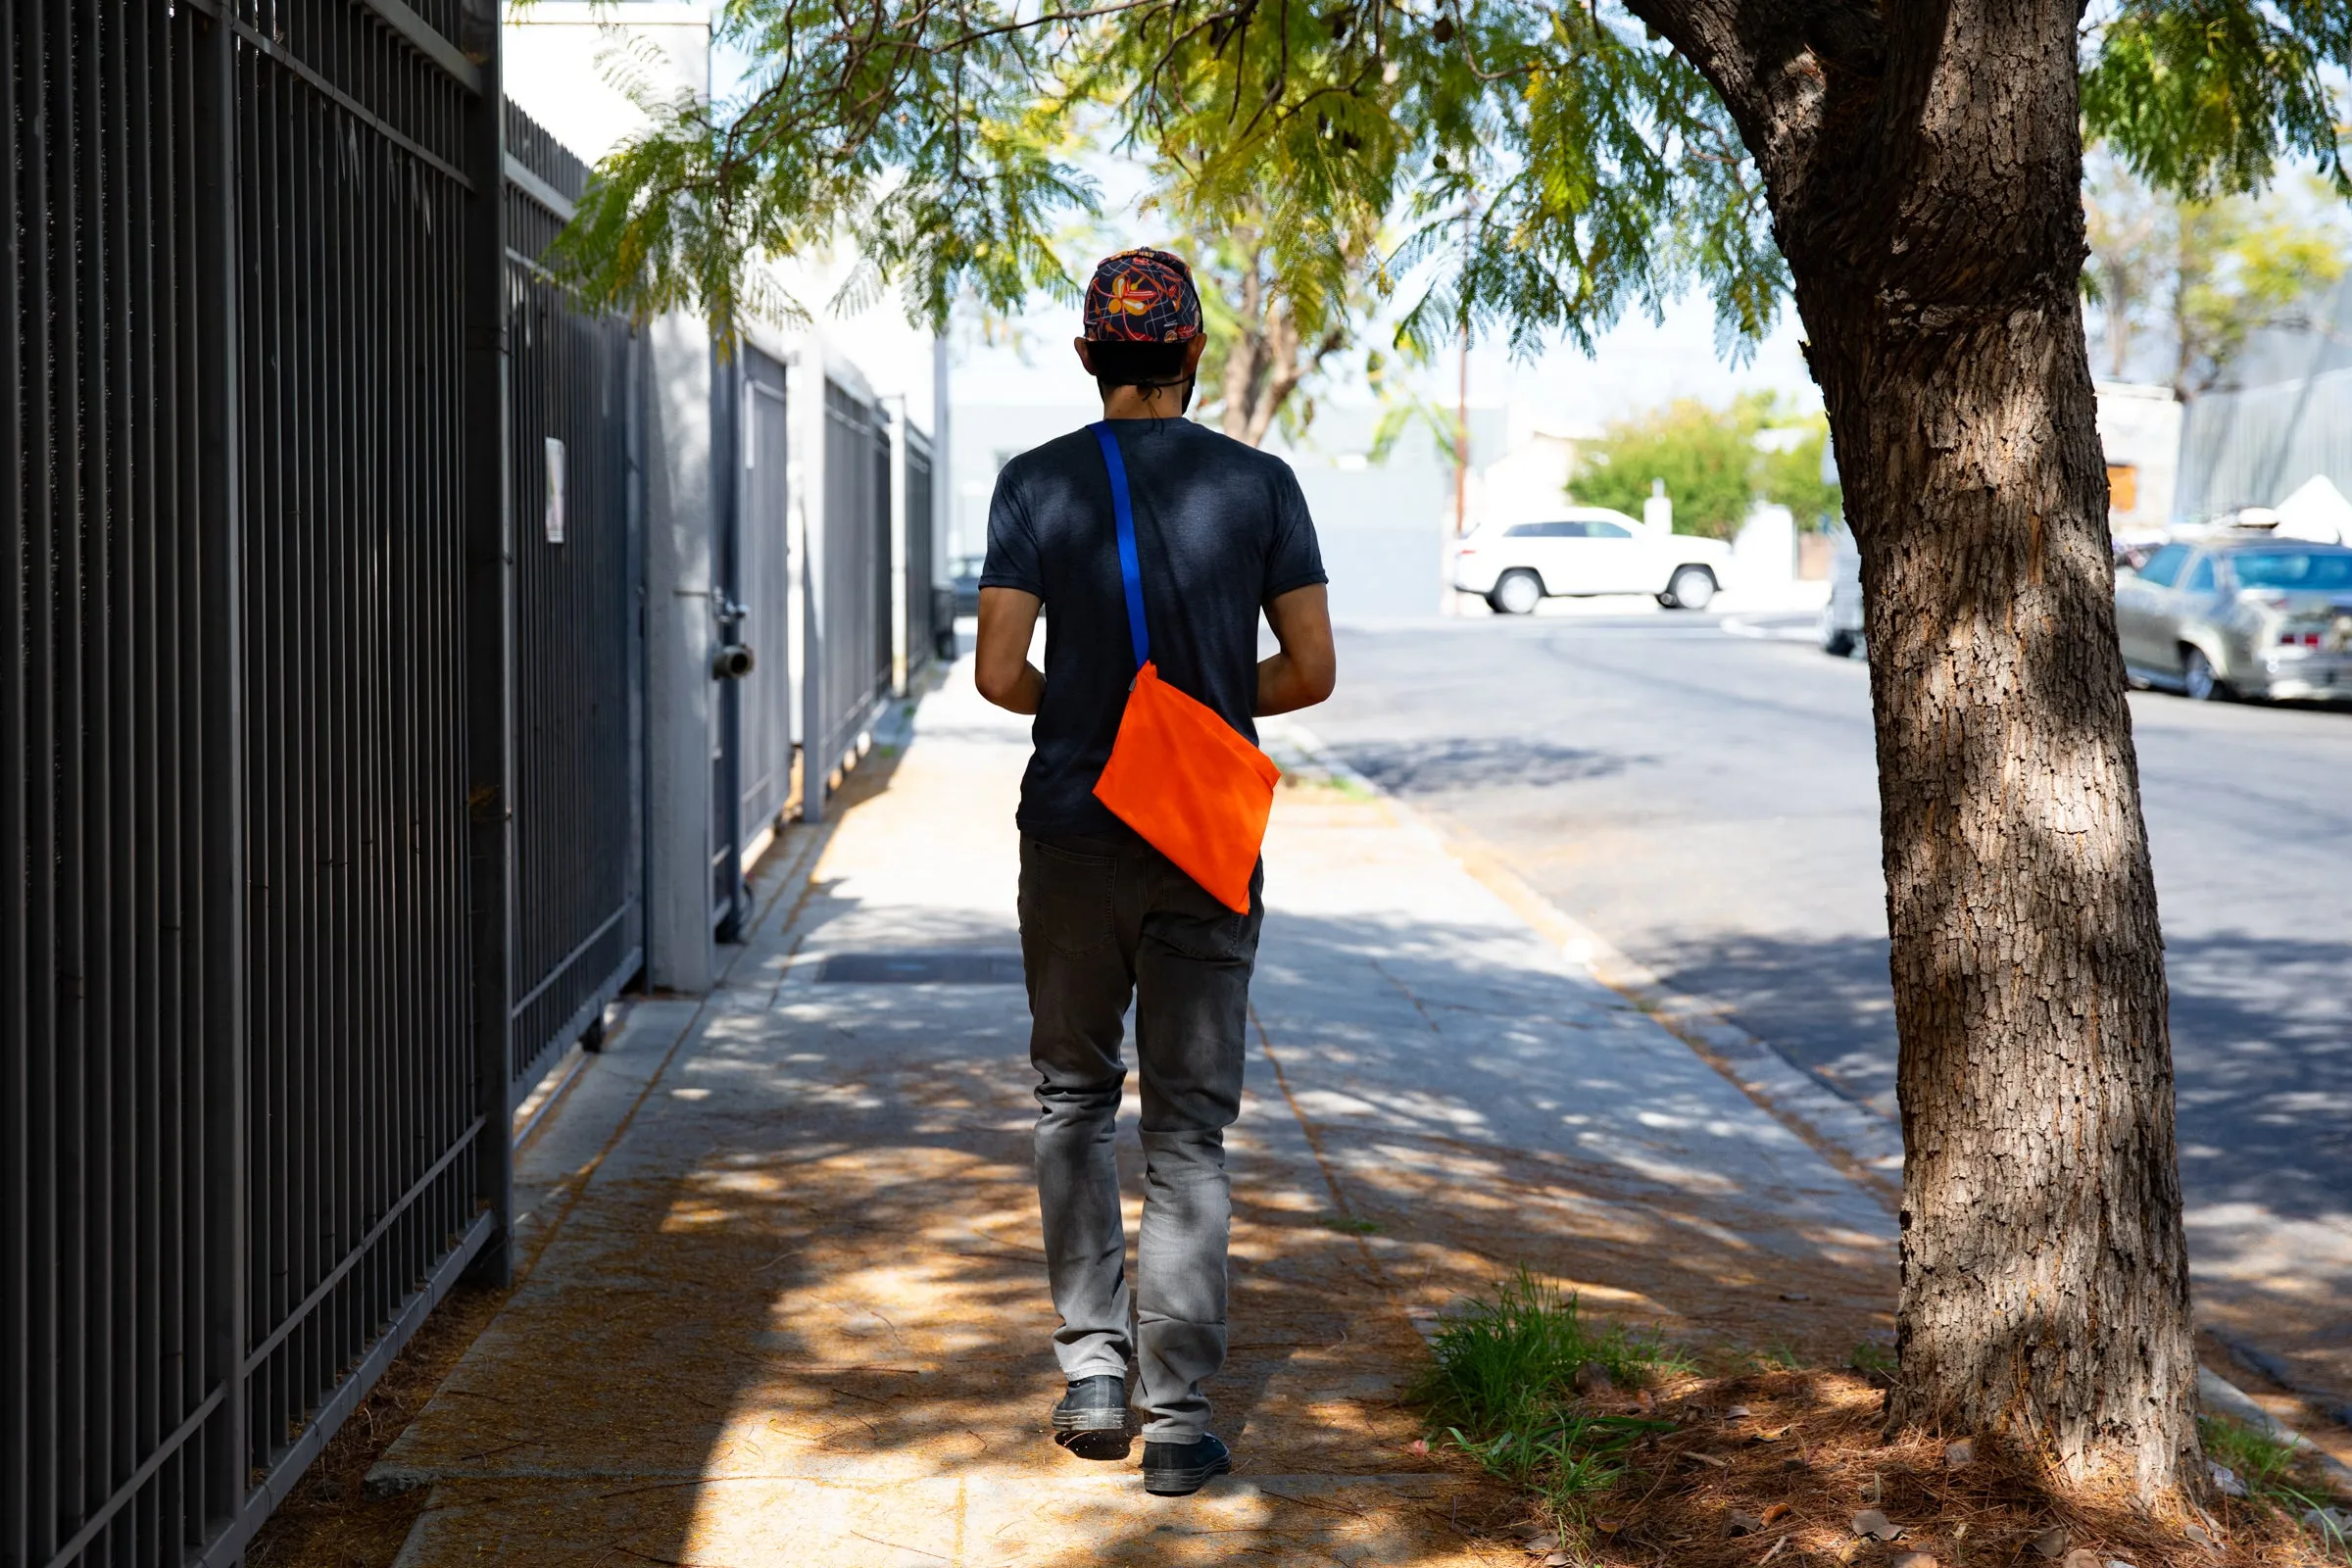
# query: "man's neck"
[[1144, 403]]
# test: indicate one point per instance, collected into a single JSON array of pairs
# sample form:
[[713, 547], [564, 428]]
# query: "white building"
[[2139, 427]]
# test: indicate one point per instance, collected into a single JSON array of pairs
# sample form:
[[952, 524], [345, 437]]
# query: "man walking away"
[[1221, 533]]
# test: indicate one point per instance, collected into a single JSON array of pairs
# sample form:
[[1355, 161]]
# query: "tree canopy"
[[1273, 335], [2202, 276], [1717, 464], [1550, 166]]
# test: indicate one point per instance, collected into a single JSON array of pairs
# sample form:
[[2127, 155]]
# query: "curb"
[[2221, 1397]]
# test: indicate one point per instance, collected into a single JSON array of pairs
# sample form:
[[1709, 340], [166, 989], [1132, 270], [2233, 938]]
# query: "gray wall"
[[2253, 448]]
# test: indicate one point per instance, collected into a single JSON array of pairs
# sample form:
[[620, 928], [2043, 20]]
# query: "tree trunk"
[[1281, 369], [1242, 361], [2044, 1273], [1924, 174]]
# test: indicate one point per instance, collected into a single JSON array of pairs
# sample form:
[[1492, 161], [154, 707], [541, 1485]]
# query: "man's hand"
[[1307, 667], [1001, 666]]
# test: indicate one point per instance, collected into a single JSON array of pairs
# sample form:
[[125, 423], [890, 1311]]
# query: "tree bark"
[[1243, 360], [1281, 372], [1924, 167]]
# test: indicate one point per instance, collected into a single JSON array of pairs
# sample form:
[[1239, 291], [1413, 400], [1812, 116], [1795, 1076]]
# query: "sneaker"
[[1180, 1469], [1093, 1405]]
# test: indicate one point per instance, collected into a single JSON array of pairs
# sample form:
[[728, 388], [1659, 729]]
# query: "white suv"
[[1587, 549]]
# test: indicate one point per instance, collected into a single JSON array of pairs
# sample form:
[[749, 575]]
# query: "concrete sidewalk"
[[784, 1300]]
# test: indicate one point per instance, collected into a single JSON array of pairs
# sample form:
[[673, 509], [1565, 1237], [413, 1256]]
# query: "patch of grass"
[[1502, 1389], [1348, 1224], [1874, 1358], [2266, 1466], [1781, 1356], [2258, 1459]]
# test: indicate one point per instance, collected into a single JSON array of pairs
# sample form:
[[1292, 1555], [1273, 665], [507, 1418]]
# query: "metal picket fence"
[[848, 670], [300, 780], [120, 832], [580, 656], [922, 626]]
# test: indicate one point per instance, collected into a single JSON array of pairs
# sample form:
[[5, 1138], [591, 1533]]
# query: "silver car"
[[1842, 616], [2240, 613]]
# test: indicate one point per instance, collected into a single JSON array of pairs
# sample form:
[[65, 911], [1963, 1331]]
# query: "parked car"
[[2240, 612], [1584, 551], [1842, 616], [964, 584]]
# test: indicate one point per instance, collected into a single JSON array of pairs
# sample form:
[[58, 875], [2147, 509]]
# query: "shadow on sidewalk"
[[799, 1314]]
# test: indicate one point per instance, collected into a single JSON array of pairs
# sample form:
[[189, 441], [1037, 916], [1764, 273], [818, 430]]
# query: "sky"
[[1635, 366]]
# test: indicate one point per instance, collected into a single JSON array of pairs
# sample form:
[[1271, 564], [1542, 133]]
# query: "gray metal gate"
[[261, 728], [849, 617], [751, 573], [762, 584], [579, 817], [922, 628]]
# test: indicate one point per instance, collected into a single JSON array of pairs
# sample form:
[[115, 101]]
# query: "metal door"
[[763, 588], [751, 743]]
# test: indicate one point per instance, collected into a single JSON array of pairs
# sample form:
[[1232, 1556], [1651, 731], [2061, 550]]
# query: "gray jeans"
[[1101, 922]]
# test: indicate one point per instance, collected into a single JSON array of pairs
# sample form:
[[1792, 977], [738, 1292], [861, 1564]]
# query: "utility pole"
[[1461, 436], [1462, 394]]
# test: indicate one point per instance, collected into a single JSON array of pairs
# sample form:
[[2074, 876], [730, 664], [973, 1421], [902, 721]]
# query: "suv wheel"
[[1517, 594], [1690, 588]]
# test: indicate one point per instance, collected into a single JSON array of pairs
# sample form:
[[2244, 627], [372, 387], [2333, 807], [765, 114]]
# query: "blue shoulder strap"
[[1129, 569]]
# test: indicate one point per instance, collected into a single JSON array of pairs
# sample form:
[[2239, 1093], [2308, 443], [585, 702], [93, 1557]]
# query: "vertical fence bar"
[[44, 519], [212, 380], [17, 1112], [489, 642]]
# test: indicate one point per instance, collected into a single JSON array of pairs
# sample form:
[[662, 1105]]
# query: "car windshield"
[[2164, 565], [2292, 569]]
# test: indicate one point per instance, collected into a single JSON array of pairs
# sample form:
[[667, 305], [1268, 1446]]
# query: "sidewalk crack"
[[1314, 1144]]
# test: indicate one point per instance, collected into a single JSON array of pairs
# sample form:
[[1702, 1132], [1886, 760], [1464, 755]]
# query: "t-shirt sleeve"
[[1011, 544], [1294, 560]]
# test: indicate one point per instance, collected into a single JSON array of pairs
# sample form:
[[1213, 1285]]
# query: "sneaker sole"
[[1184, 1483], [1089, 1420]]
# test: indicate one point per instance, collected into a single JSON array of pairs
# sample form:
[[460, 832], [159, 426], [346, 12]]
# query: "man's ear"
[[1085, 354], [1193, 352]]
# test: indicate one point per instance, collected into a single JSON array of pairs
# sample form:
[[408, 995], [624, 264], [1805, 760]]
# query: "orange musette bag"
[[1180, 775]]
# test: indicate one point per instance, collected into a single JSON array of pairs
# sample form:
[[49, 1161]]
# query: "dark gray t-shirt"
[[1220, 529]]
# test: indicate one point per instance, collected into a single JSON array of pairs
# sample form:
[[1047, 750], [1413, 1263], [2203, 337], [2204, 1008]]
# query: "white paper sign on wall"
[[554, 490]]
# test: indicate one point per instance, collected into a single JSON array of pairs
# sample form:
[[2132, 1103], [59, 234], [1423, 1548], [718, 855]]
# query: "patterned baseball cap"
[[1142, 296]]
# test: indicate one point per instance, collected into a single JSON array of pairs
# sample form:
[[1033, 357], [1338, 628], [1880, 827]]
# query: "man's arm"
[[1000, 665], [1304, 671]]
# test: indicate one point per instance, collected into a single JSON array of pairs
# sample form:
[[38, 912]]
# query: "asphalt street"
[[1707, 801]]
